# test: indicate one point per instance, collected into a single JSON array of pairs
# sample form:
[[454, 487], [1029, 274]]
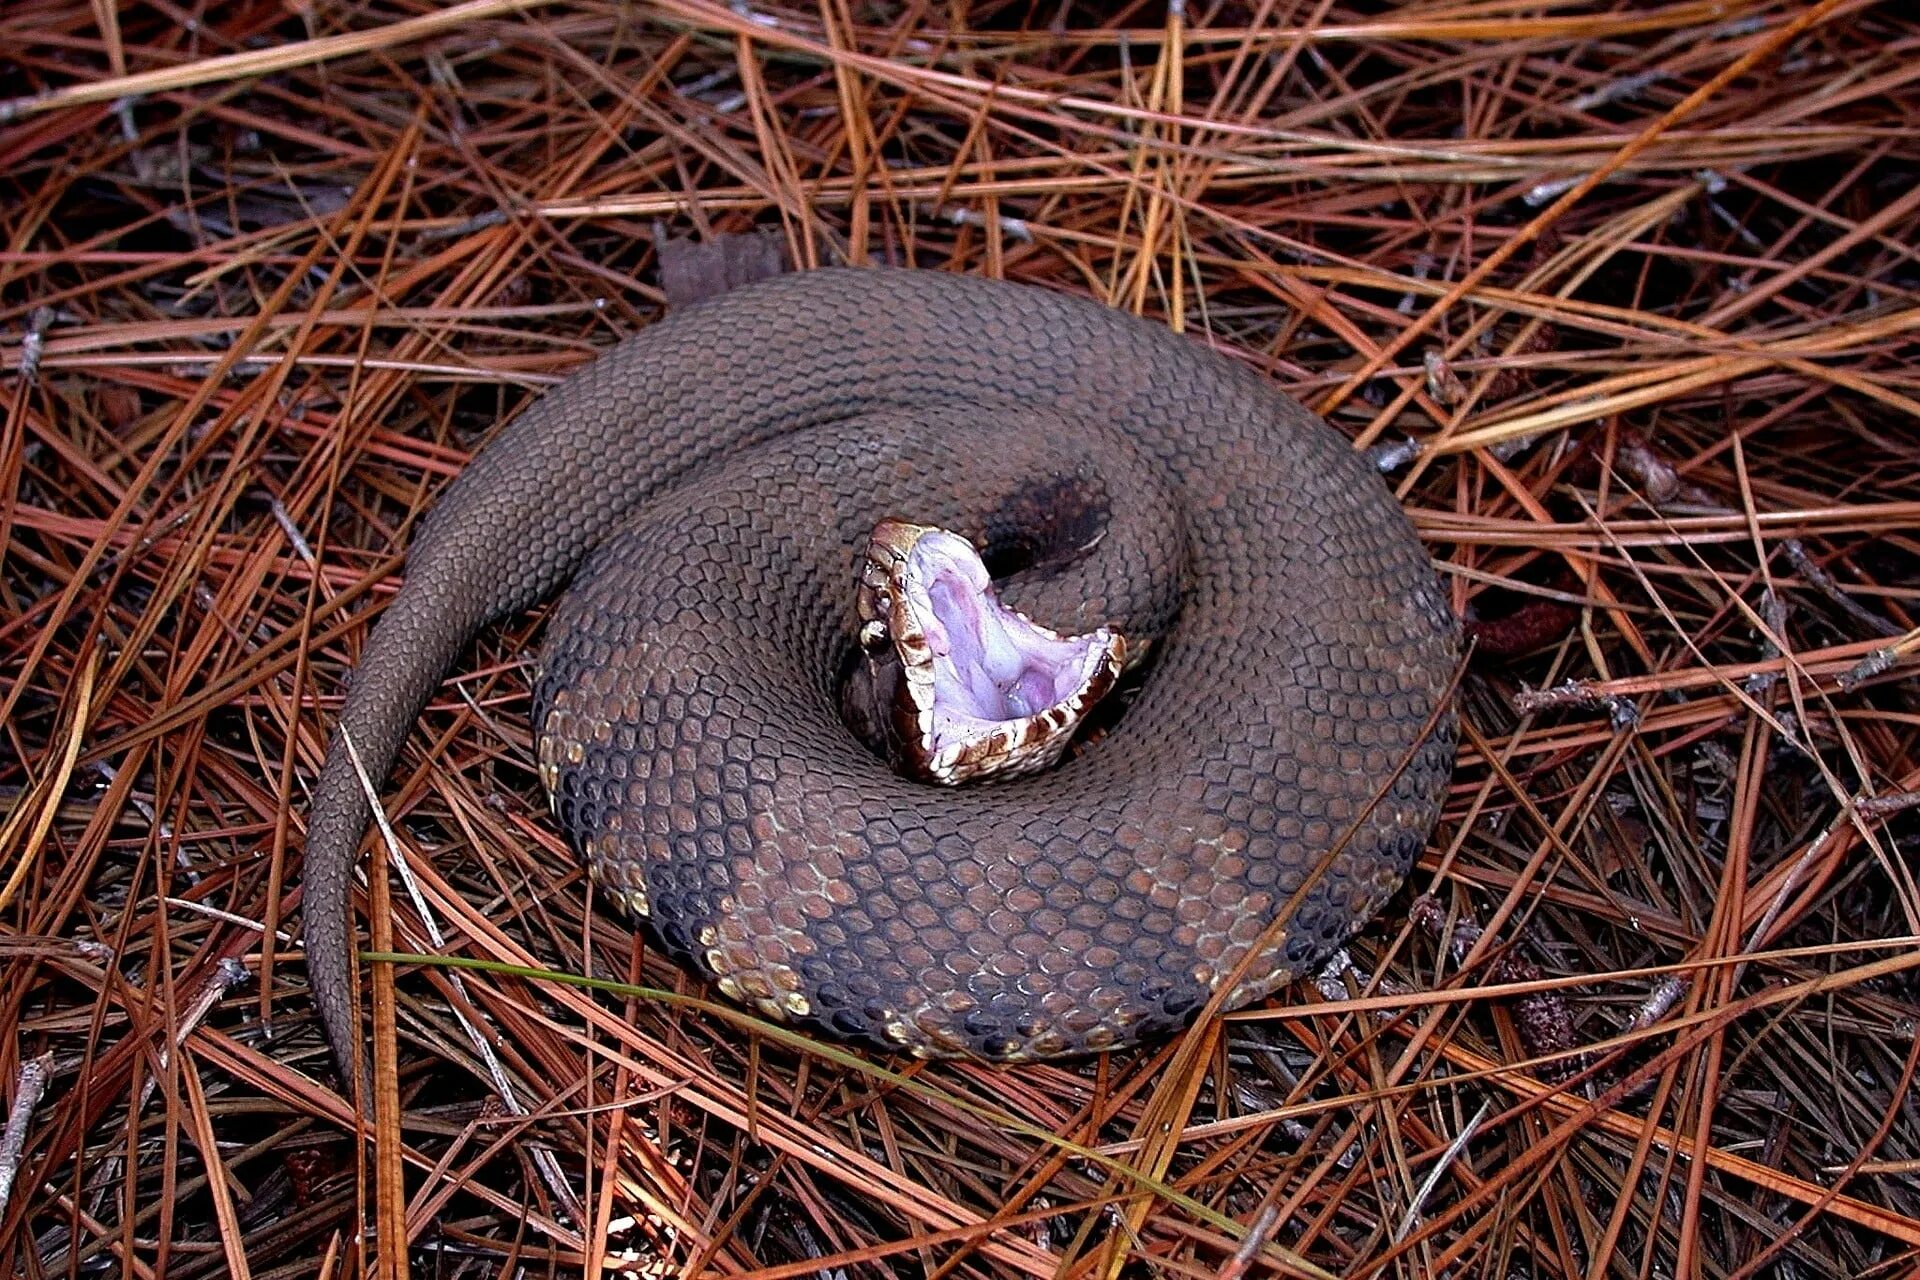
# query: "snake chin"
[[968, 689]]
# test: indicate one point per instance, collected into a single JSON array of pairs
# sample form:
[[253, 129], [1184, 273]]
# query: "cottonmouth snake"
[[707, 488]]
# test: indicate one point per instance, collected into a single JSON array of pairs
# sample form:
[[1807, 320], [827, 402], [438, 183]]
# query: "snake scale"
[[706, 490]]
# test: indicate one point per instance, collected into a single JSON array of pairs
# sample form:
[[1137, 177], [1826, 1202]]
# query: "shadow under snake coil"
[[708, 488]]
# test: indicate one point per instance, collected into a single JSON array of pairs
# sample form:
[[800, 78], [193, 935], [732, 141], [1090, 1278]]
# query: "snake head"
[[973, 689]]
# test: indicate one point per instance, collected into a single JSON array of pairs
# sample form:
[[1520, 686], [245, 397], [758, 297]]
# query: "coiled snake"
[[725, 492]]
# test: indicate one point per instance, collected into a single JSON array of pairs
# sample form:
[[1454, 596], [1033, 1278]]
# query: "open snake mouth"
[[976, 689]]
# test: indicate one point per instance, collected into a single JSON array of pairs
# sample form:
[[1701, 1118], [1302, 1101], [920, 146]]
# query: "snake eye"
[[983, 691]]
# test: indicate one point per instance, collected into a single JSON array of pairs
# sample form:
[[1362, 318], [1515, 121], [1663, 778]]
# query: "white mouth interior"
[[991, 666]]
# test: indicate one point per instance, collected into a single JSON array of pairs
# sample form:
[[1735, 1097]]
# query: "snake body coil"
[[706, 485]]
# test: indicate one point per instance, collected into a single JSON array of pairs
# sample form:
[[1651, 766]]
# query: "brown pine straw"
[[1623, 297]]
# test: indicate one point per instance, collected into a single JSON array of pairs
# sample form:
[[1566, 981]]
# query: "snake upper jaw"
[[966, 688]]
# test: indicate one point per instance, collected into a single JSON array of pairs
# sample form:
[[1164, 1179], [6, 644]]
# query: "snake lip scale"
[[706, 491]]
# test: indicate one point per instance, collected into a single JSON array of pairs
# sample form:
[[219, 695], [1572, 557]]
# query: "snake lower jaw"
[[964, 688]]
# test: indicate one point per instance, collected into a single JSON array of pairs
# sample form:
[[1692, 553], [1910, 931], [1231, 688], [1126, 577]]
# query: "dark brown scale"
[[706, 486]]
